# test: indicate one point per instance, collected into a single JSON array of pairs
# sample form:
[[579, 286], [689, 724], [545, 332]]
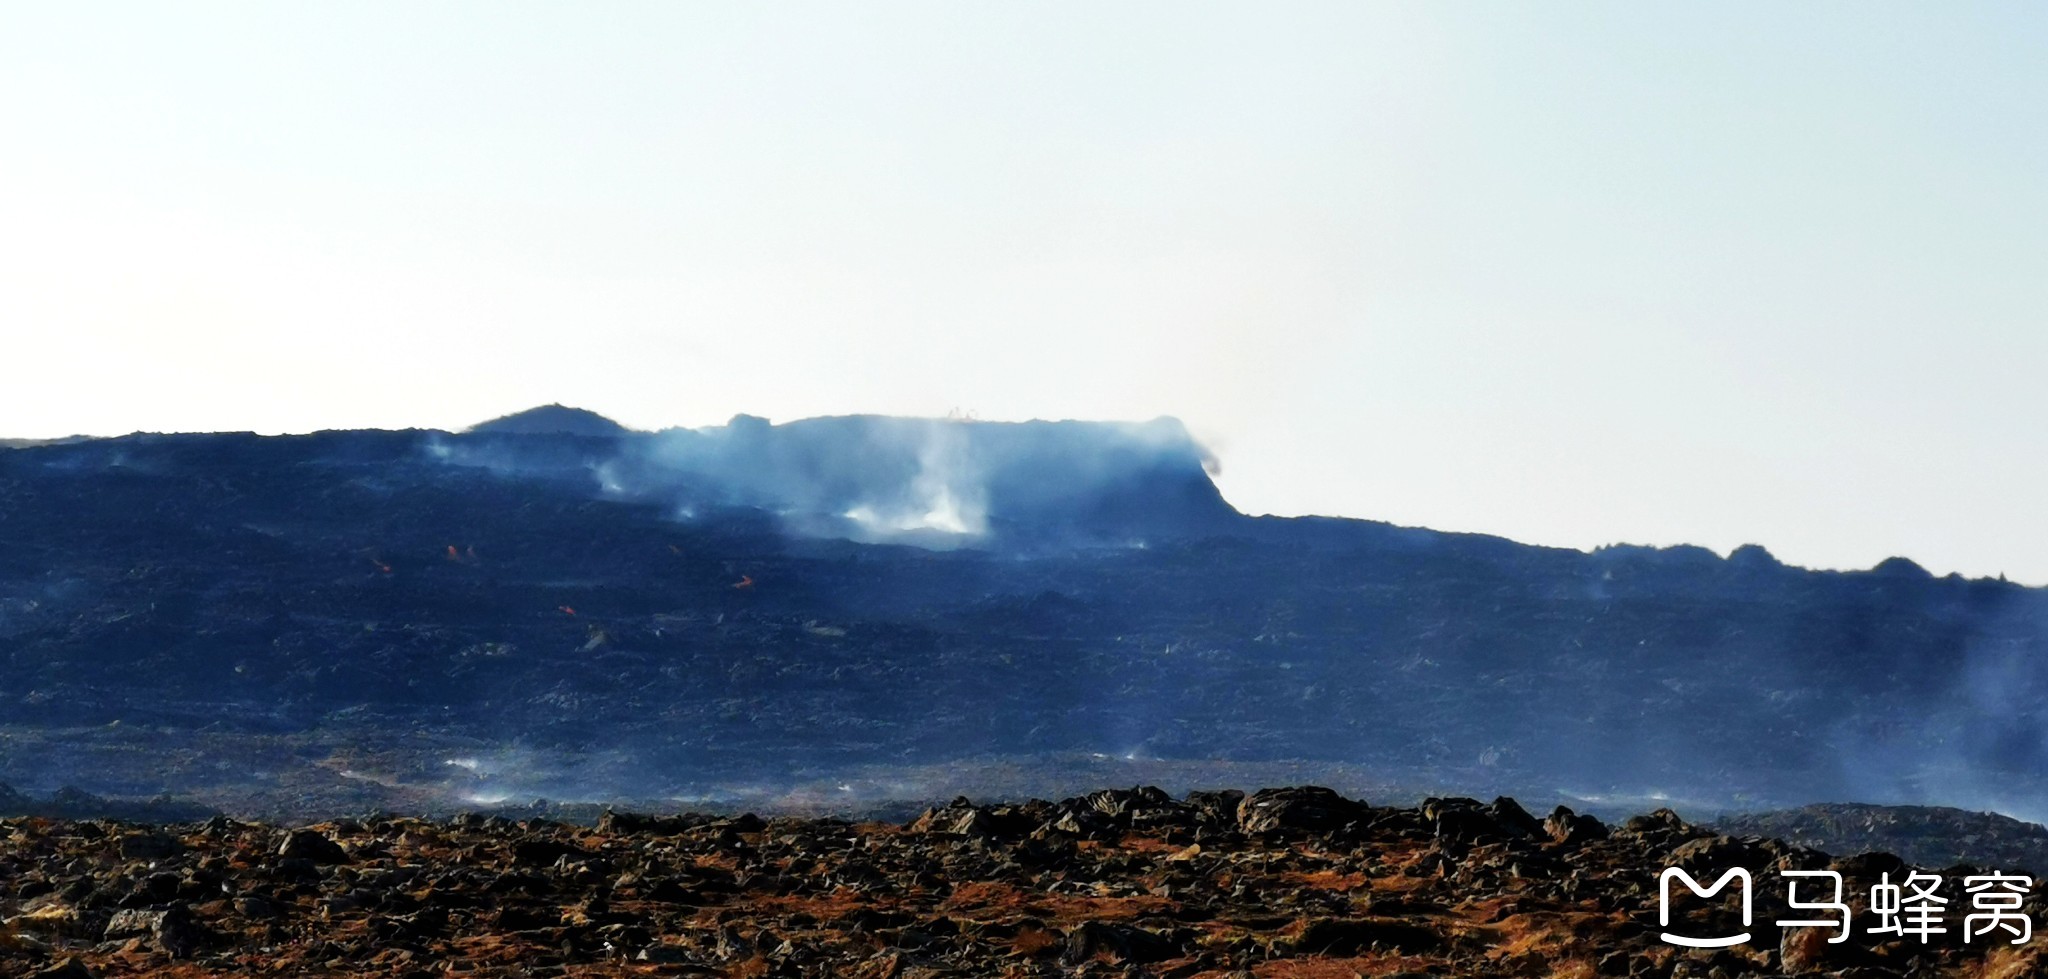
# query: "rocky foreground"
[[1286, 882]]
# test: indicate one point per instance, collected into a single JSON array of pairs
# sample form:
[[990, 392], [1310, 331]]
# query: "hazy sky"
[[1574, 274]]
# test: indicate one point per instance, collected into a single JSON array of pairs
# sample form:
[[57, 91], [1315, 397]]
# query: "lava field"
[[1297, 882]]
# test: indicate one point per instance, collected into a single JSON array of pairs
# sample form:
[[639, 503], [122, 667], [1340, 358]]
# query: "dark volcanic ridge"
[[1297, 882], [1926, 835], [297, 624]]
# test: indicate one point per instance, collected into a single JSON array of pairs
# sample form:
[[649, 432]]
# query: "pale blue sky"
[[1572, 273]]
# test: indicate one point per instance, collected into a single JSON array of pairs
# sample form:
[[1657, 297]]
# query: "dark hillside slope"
[[775, 604]]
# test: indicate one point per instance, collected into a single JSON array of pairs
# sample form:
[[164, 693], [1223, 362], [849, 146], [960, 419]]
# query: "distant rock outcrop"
[[1754, 556], [71, 802], [552, 419], [1899, 567], [1933, 836]]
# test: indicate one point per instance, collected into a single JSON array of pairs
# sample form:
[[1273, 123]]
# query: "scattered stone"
[[1124, 882], [66, 968]]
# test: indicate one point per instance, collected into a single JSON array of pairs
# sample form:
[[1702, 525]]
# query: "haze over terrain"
[[849, 612]]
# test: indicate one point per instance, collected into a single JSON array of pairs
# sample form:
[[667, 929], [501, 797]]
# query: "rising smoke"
[[938, 483]]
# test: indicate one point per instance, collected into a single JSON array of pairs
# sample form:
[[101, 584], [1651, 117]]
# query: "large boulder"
[[1570, 829], [306, 844], [1117, 942], [1307, 808]]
